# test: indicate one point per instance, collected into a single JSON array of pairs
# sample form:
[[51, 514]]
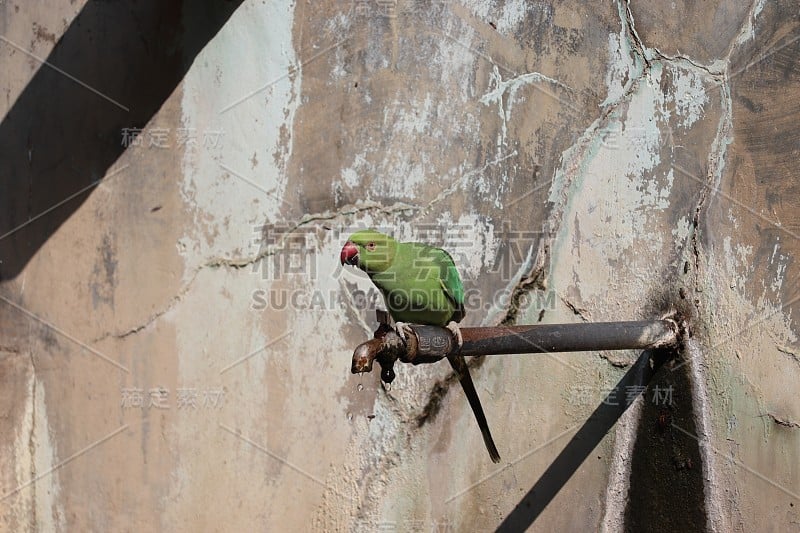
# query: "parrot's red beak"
[[349, 254]]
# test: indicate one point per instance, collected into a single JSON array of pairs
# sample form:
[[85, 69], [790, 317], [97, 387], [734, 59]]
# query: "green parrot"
[[420, 285]]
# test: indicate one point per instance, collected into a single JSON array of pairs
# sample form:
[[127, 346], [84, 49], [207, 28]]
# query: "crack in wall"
[[712, 71], [450, 189], [716, 163], [173, 302], [630, 28], [350, 210], [577, 311], [240, 263], [789, 352], [783, 421], [503, 92], [531, 278], [345, 211]]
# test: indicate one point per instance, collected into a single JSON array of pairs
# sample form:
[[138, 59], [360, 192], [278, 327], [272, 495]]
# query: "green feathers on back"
[[419, 283]]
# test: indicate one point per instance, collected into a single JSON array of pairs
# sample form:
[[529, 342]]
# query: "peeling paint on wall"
[[35, 499]]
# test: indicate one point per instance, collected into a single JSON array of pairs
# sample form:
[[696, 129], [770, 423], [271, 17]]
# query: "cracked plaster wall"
[[599, 164]]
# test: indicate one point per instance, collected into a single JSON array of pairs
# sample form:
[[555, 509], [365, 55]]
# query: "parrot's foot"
[[403, 330], [453, 326]]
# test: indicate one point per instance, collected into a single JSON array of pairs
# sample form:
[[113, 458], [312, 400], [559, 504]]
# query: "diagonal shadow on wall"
[[113, 68], [585, 440]]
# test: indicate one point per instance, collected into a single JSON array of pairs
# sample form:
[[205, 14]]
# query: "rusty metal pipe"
[[580, 337], [431, 343]]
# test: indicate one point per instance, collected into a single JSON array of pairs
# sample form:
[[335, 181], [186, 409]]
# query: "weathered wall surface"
[[175, 343]]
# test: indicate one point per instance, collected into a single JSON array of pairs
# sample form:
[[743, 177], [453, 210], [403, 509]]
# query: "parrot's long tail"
[[460, 366]]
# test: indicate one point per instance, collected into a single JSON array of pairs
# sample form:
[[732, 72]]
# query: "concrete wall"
[[175, 340]]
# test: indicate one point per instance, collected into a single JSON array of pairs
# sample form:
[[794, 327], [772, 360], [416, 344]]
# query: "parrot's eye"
[[371, 246]]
